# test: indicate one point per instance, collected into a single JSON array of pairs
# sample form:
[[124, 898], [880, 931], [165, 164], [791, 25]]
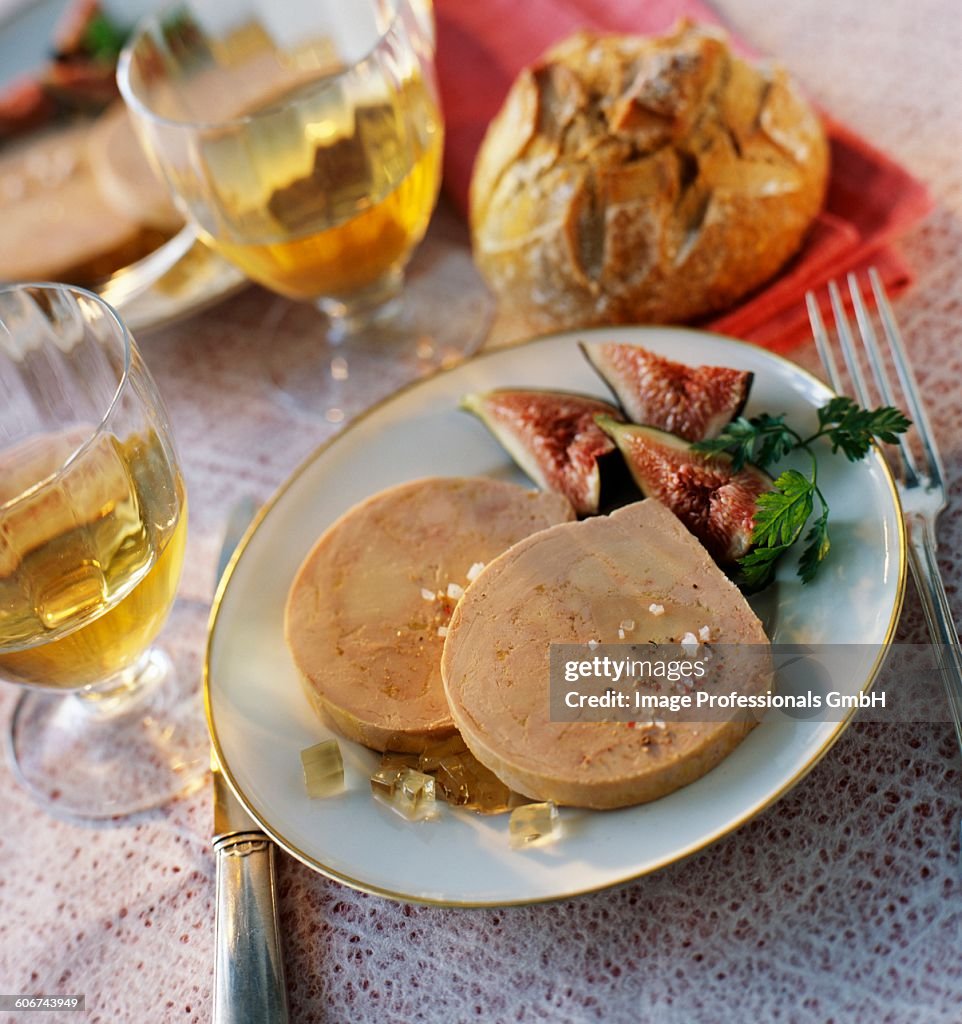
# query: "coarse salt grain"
[[628, 625], [428, 595], [689, 643], [592, 644], [704, 634], [621, 634], [656, 609], [475, 571], [455, 590], [442, 630]]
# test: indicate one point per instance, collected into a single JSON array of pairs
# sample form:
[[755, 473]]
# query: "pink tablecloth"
[[840, 903]]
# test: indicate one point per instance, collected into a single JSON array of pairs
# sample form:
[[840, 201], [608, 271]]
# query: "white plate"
[[260, 720], [196, 280]]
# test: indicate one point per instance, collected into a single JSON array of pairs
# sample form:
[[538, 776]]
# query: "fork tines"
[[908, 396]]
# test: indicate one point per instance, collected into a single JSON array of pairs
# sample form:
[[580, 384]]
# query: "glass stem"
[[374, 304], [121, 692]]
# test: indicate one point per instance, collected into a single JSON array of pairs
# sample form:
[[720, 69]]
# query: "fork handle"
[[938, 614]]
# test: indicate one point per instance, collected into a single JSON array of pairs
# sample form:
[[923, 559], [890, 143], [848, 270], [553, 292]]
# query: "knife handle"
[[248, 961]]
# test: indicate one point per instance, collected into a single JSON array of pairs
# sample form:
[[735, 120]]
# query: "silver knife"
[[248, 959]]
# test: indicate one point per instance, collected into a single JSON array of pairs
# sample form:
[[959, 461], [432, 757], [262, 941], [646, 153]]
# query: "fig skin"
[[553, 437], [715, 502], [694, 402]]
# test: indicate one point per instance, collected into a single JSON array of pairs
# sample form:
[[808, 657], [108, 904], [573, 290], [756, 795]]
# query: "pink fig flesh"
[[552, 436], [715, 502], [694, 402]]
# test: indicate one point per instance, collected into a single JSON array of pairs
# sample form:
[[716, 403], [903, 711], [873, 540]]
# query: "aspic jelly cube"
[[534, 825], [414, 795], [384, 782], [323, 768]]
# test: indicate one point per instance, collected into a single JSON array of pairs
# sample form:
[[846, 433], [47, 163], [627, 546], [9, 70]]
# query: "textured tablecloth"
[[841, 903]]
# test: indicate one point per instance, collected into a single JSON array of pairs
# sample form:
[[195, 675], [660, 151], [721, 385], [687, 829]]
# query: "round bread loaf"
[[635, 180], [576, 583], [369, 607]]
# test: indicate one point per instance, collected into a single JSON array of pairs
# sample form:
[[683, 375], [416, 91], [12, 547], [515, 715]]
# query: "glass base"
[[124, 749], [334, 366]]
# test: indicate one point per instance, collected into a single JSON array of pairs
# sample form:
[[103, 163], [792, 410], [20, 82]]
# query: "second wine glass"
[[304, 142], [93, 522]]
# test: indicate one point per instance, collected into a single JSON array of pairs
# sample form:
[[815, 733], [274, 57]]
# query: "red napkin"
[[482, 47]]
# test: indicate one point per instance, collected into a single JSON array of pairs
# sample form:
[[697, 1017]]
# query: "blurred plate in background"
[[78, 200]]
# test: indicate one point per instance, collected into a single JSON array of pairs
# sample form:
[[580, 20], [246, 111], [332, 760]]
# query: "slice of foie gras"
[[637, 568], [368, 609]]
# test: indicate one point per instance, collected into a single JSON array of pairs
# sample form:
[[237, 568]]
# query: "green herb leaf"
[[782, 513], [818, 548], [103, 38], [852, 429], [758, 567], [835, 410], [777, 440], [737, 440], [761, 440]]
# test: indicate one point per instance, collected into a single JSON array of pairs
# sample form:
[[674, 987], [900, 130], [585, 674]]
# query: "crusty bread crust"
[[628, 179]]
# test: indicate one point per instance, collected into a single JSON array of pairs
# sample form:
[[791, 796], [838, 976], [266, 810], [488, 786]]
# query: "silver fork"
[[921, 485]]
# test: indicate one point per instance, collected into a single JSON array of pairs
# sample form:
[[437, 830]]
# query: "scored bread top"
[[628, 179]]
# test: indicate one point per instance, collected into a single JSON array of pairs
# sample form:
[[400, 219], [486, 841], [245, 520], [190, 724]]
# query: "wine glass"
[[93, 521], [304, 143]]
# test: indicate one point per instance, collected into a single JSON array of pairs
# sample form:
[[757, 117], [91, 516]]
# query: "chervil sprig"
[[783, 513], [762, 440], [851, 429]]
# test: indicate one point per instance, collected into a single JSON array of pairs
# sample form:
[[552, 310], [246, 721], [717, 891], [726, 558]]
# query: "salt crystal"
[[621, 634], [428, 595], [475, 571], [442, 630], [689, 643], [455, 591], [533, 824], [656, 609], [592, 644], [704, 634], [628, 625]]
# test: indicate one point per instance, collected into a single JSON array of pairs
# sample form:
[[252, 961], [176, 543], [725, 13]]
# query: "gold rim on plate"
[[355, 883]]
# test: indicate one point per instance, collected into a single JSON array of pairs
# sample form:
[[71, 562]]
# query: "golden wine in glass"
[[93, 523], [304, 142]]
